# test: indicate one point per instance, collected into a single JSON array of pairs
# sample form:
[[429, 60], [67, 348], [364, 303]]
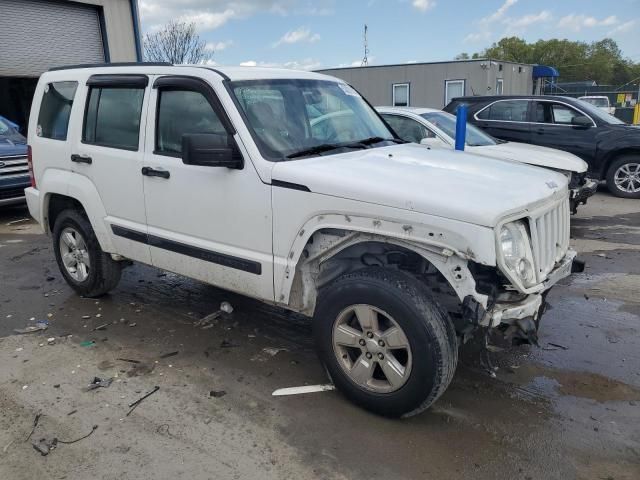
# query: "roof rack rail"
[[116, 64]]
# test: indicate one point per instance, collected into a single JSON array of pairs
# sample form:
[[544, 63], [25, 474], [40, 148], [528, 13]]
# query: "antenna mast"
[[365, 60]]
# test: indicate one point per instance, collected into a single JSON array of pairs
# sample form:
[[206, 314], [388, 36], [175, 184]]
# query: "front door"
[[553, 128], [507, 120], [108, 151], [208, 223]]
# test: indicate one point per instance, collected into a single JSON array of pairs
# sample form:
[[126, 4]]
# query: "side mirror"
[[434, 142], [581, 121], [211, 150]]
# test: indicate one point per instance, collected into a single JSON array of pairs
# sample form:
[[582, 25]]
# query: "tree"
[[462, 56], [176, 43]]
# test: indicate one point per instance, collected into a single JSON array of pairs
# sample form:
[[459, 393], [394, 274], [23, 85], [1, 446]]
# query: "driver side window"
[[407, 128]]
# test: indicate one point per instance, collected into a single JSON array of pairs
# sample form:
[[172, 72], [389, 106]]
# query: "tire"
[[617, 171], [396, 300], [101, 273]]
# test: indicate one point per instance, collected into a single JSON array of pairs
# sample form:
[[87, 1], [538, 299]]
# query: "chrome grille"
[[550, 237], [13, 166]]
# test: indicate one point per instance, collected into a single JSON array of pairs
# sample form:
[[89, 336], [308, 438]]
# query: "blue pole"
[[461, 126]]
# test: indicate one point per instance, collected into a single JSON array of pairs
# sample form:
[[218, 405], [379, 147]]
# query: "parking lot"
[[569, 409]]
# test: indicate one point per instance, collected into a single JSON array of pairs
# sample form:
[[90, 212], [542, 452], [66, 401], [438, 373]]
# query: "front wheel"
[[385, 342], [623, 177], [86, 268]]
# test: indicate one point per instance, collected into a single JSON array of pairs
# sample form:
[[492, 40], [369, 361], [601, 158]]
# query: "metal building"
[[36, 35], [435, 84]]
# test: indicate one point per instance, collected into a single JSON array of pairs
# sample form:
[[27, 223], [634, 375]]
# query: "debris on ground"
[[170, 354], [36, 420], [128, 360], [98, 382], [226, 307], [558, 346], [88, 343], [304, 389], [38, 327], [14, 222], [140, 369], [228, 344], [217, 393], [101, 327], [273, 351], [45, 445], [135, 404], [106, 365], [51, 341]]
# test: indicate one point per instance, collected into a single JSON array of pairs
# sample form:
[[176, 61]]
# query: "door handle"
[[540, 131], [152, 172], [81, 159]]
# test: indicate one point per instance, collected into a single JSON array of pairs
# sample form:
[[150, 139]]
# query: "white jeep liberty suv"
[[288, 187]]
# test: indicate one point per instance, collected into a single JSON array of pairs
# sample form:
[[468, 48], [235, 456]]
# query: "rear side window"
[[55, 109], [506, 111], [112, 117], [180, 112]]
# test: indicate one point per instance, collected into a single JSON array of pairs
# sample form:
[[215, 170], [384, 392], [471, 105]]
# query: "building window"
[[55, 109], [112, 117], [453, 89], [400, 95], [499, 86]]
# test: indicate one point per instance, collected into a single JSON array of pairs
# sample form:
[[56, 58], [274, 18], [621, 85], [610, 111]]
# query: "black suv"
[[608, 145]]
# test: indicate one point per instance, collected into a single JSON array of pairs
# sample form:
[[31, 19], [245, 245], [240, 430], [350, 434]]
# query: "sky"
[[318, 34]]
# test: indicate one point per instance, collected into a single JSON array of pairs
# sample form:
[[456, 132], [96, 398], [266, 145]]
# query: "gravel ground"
[[567, 410]]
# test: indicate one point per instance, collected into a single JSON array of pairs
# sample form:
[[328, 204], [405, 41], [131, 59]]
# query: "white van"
[[288, 187]]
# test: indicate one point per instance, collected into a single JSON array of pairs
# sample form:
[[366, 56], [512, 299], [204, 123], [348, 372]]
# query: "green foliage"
[[601, 61]]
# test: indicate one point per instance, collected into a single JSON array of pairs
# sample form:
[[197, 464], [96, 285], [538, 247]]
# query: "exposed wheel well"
[[59, 203], [323, 260]]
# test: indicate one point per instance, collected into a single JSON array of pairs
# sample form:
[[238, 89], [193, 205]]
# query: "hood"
[[449, 184], [533, 155], [10, 147]]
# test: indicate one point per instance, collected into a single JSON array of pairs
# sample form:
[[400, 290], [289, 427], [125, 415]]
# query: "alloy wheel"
[[74, 253], [627, 177]]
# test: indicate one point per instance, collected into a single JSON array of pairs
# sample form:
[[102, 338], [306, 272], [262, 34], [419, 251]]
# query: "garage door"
[[38, 34]]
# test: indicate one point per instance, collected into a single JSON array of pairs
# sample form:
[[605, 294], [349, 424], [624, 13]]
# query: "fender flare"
[[80, 188]]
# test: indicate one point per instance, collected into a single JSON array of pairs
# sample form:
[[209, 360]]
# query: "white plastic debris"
[[304, 389], [226, 307]]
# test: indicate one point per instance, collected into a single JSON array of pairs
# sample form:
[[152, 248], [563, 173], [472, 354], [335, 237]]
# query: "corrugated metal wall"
[[36, 35], [427, 80]]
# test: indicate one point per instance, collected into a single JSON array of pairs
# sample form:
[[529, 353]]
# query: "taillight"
[[30, 162]]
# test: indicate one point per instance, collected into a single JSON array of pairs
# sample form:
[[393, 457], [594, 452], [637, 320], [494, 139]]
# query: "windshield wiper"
[[325, 147]]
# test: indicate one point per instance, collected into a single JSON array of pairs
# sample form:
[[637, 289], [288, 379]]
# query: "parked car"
[[437, 129], [610, 147], [14, 171], [397, 252], [600, 101]]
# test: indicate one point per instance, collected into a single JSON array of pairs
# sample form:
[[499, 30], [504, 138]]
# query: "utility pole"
[[365, 59]]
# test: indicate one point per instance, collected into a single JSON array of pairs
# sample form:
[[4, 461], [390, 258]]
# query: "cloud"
[[423, 5], [305, 64], [298, 35], [212, 14], [499, 14], [218, 46], [530, 19], [477, 37], [623, 28], [577, 22]]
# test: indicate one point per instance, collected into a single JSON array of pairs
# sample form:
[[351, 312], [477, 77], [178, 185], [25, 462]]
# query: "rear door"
[[208, 223], [552, 128], [506, 119], [108, 150]]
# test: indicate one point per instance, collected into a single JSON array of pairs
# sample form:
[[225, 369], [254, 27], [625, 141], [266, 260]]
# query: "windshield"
[[8, 132], [447, 123], [297, 118], [600, 114], [597, 101]]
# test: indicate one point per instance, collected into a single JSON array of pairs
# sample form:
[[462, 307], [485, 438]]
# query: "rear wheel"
[[385, 342], [86, 268], [623, 177]]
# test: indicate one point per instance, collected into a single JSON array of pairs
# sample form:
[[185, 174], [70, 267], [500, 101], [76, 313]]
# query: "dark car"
[[610, 147], [14, 171]]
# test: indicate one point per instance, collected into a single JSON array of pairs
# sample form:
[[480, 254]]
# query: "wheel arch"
[[615, 155]]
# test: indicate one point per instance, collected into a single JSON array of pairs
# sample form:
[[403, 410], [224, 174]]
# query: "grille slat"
[[550, 237]]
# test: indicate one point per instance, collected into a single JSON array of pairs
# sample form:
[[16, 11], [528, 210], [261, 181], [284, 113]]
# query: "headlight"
[[516, 252]]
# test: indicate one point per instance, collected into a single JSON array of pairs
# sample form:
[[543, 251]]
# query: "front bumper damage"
[[520, 319], [579, 195]]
